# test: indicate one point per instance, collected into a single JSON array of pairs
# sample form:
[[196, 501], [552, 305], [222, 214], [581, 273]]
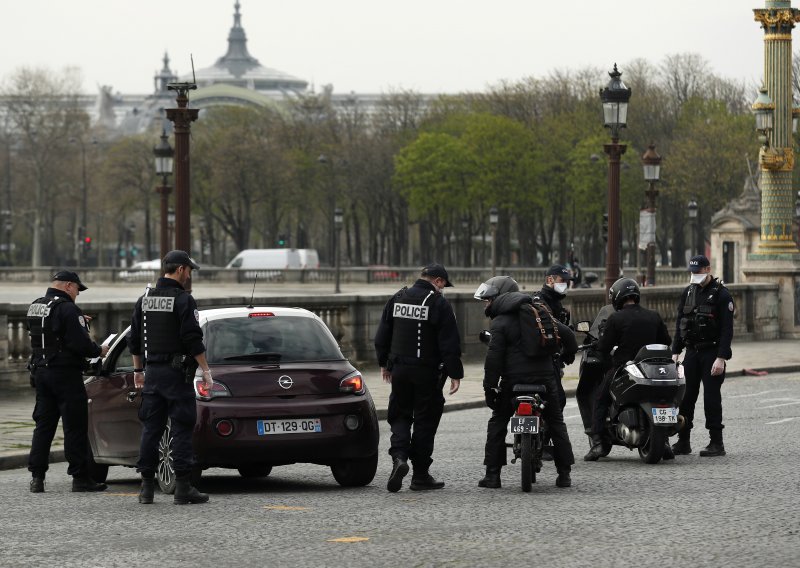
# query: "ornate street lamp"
[[182, 118], [338, 223], [494, 218], [164, 155], [651, 163], [615, 97], [692, 208]]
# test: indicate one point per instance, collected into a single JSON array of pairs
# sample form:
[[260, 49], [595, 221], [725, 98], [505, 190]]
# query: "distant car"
[[383, 273], [283, 393], [141, 271]]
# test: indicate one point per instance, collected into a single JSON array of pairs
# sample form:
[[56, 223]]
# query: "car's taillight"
[[524, 409], [217, 390], [352, 383], [260, 315]]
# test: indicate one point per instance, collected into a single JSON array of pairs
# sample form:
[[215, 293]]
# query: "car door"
[[114, 427]]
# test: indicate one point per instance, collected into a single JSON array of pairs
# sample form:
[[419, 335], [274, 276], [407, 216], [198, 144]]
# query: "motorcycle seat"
[[529, 388]]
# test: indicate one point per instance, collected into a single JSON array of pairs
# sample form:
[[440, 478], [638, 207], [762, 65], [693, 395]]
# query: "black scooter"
[[646, 394]]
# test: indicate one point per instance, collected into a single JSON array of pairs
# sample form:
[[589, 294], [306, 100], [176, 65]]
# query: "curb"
[[14, 461]]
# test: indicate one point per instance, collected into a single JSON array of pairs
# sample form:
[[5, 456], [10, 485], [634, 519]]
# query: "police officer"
[[506, 365], [167, 347], [556, 283], [60, 344], [418, 347], [629, 328], [705, 328]]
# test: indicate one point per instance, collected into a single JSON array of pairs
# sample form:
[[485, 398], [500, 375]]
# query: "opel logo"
[[285, 382]]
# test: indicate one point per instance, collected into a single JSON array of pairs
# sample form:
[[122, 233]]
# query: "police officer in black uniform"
[[705, 328], [506, 365], [556, 283], [629, 328], [60, 344], [167, 347], [418, 347]]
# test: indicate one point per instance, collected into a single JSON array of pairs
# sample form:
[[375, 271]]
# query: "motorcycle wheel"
[[527, 463], [653, 449]]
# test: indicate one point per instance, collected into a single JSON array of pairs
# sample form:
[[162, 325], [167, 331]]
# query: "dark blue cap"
[[697, 263]]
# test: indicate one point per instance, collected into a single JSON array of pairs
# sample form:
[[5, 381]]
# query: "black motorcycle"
[[645, 393]]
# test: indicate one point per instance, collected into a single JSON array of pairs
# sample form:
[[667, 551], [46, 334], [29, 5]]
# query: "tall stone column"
[[777, 160]]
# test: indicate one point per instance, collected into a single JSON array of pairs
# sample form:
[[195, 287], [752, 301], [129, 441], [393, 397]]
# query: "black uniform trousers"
[[697, 368], [495, 452], [416, 401], [166, 395], [60, 394], [602, 402]]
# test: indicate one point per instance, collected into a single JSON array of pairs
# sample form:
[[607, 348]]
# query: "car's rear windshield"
[[269, 339]]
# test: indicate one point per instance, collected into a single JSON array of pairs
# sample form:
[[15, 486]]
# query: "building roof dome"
[[237, 67]]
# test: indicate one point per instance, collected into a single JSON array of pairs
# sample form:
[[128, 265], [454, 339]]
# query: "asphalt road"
[[738, 510]]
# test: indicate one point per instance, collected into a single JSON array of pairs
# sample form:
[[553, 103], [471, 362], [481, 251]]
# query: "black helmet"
[[621, 290], [496, 286]]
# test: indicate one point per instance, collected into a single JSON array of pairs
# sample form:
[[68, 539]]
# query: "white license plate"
[[299, 426], [524, 425], [667, 415]]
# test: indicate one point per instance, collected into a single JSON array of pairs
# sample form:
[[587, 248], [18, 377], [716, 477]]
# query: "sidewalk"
[[16, 425]]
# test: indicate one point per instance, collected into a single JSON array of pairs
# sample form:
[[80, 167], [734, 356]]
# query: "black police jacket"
[[59, 322], [505, 358], [418, 326], [177, 328], [553, 301], [630, 329], [717, 297]]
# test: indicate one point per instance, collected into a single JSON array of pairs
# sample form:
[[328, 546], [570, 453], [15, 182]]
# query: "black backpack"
[[538, 330]]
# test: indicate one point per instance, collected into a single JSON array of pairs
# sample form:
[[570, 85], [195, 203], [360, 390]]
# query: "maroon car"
[[283, 393]]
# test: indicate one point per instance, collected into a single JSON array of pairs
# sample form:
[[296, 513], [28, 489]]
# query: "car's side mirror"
[[484, 336], [583, 326]]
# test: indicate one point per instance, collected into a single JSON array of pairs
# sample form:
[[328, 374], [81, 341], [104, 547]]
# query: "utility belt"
[[700, 345], [182, 362]]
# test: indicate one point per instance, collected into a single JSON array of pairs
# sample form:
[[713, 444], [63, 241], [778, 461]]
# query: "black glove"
[[491, 398]]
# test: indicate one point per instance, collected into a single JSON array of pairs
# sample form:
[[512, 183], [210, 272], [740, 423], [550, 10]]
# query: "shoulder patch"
[[197, 316], [730, 306], [82, 321]]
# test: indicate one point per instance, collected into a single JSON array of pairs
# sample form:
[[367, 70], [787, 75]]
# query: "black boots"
[[148, 488], [563, 479], [399, 471], [492, 477], [668, 453], [599, 449], [185, 493], [424, 482], [37, 485], [715, 447], [682, 446], [84, 484]]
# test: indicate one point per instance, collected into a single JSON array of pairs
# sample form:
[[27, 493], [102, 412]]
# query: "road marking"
[[756, 393], [782, 421], [285, 508], [794, 401], [348, 539], [121, 494]]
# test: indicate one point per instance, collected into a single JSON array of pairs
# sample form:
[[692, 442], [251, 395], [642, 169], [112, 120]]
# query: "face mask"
[[560, 287], [698, 278]]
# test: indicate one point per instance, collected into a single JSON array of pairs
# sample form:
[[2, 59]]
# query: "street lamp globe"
[[764, 109], [692, 209], [494, 217], [615, 97], [338, 218], [651, 163], [164, 155]]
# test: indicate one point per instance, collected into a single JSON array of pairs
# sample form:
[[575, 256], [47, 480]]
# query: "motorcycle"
[[646, 394]]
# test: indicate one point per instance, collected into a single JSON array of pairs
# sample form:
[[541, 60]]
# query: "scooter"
[[528, 428], [646, 394]]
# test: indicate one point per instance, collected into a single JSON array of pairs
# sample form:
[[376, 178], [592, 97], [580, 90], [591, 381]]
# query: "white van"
[[309, 259], [279, 259]]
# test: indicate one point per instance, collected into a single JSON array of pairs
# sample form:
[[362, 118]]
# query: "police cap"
[[437, 271], [180, 258], [559, 270], [67, 276], [697, 263]]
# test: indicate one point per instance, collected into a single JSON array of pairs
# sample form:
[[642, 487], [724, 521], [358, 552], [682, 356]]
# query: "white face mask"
[[698, 278], [560, 287]]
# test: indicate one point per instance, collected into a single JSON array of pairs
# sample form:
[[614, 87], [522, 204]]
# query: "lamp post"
[[651, 163], [164, 155], [467, 239], [692, 208], [338, 223], [615, 97], [84, 198], [182, 118], [494, 217]]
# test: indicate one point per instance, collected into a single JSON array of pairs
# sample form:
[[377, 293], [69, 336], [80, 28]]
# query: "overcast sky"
[[373, 46]]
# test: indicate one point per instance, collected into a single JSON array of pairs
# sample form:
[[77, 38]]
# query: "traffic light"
[[87, 243], [281, 240], [605, 227]]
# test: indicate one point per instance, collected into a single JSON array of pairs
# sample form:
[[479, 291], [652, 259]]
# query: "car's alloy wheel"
[[166, 467], [355, 472]]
